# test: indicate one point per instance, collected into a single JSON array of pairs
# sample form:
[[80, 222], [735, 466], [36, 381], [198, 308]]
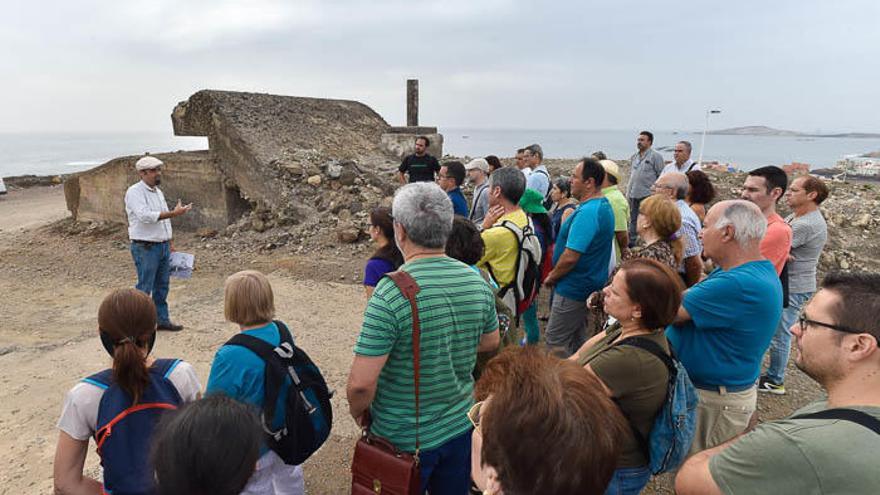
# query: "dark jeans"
[[446, 470], [154, 272], [634, 204]]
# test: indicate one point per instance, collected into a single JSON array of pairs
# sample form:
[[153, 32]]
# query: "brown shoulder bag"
[[378, 466]]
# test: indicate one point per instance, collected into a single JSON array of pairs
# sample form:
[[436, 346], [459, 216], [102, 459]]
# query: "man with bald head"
[[675, 185], [725, 322]]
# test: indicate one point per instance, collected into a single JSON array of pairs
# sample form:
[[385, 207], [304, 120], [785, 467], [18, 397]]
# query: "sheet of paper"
[[182, 264]]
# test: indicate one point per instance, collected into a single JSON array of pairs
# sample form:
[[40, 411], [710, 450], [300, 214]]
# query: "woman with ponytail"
[[120, 405]]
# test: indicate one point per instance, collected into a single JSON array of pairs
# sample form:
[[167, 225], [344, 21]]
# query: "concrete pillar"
[[412, 102]]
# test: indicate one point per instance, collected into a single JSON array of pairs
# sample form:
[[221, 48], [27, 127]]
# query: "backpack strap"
[[845, 414], [653, 348], [275, 372], [101, 379], [164, 367], [409, 288]]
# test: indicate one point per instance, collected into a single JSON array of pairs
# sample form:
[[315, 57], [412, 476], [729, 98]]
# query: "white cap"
[[477, 163], [148, 163]]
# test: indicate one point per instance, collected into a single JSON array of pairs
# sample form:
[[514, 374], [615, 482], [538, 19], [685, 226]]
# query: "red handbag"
[[378, 467]]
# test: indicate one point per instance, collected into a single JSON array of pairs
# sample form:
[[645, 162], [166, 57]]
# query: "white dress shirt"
[[685, 167], [143, 204]]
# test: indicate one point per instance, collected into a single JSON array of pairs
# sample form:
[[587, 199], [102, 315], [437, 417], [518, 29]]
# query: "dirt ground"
[[52, 278]]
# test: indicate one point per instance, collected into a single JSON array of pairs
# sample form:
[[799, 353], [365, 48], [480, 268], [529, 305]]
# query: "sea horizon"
[[55, 152]]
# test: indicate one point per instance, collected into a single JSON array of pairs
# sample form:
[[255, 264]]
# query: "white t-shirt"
[[79, 416]]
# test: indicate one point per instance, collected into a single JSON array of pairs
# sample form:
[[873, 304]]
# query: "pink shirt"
[[776, 243]]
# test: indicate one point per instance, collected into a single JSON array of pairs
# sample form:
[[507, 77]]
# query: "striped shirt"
[[456, 307]]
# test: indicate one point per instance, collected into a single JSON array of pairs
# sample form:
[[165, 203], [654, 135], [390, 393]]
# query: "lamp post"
[[703, 139]]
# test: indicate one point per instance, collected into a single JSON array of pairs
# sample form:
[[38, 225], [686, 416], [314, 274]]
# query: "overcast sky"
[[122, 66]]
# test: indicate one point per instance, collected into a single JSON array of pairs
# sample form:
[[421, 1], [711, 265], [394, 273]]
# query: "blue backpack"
[[308, 414], [673, 430], [125, 430]]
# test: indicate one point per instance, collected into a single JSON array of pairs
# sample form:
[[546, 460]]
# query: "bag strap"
[[653, 348], [274, 376], [409, 288], [851, 415]]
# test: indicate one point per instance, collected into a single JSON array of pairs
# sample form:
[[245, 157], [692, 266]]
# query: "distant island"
[[762, 130]]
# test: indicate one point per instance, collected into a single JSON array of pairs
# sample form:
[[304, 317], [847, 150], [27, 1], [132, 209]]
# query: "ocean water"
[[49, 154], [46, 154]]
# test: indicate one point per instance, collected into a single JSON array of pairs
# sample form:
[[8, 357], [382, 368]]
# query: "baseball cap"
[[532, 201], [148, 163], [478, 163], [611, 168]]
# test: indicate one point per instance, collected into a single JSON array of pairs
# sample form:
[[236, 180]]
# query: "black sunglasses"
[[803, 321]]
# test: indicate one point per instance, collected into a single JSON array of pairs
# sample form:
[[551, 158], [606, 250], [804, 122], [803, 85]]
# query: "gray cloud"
[[121, 66]]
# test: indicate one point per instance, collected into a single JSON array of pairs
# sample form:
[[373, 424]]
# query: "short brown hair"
[[814, 184], [544, 413], [666, 221], [248, 298], [656, 288]]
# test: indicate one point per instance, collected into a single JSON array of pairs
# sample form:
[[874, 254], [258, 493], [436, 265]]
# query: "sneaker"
[[765, 385], [170, 327]]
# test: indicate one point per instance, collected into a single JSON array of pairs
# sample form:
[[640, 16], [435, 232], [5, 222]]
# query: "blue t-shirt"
[[375, 269], [734, 314], [459, 204], [589, 231], [239, 373]]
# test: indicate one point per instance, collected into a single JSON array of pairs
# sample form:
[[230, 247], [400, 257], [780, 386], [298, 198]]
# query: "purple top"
[[375, 269]]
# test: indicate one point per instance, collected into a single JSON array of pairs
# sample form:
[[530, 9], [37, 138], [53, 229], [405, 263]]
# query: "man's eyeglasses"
[[803, 321], [654, 187]]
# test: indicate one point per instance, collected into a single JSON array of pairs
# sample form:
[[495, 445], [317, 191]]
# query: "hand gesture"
[[181, 208]]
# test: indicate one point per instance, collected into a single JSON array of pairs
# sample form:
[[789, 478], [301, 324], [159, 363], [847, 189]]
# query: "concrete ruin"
[[267, 154]]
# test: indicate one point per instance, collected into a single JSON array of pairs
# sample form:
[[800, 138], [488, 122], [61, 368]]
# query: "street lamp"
[[703, 140]]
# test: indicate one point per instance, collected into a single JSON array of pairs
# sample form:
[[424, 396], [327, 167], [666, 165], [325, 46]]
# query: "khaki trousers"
[[722, 415]]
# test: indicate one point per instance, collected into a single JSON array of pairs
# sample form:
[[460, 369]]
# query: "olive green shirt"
[[638, 381], [802, 457]]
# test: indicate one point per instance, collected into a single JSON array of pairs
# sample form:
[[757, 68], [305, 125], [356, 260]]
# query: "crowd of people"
[[637, 279]]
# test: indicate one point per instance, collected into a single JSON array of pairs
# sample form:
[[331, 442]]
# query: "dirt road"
[[53, 276]]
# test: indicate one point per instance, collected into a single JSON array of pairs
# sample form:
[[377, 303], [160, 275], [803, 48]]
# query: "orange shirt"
[[776, 243]]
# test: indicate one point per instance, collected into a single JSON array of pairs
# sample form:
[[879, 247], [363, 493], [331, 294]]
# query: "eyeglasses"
[[474, 414], [803, 321], [654, 187]]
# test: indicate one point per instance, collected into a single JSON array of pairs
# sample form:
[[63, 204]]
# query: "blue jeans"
[[628, 481], [780, 346], [154, 273], [530, 322], [446, 470]]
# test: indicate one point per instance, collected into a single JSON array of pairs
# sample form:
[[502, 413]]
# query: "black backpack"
[[308, 415]]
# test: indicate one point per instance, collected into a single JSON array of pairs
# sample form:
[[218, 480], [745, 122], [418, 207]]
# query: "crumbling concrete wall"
[[193, 177], [256, 137], [401, 141]]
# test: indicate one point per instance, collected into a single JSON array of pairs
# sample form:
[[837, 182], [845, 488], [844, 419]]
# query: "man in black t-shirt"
[[420, 166]]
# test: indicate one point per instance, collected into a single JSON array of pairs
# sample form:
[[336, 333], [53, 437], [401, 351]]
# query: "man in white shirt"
[[681, 162], [149, 228], [539, 179], [522, 163]]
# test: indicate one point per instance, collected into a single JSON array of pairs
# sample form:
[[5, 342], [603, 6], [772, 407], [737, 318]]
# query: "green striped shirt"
[[456, 307]]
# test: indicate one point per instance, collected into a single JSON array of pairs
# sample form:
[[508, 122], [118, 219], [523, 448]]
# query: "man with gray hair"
[[539, 179], [506, 187], [675, 185], [681, 162], [461, 322], [725, 322]]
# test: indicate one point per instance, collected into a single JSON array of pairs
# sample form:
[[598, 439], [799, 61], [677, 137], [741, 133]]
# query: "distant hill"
[[762, 130]]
